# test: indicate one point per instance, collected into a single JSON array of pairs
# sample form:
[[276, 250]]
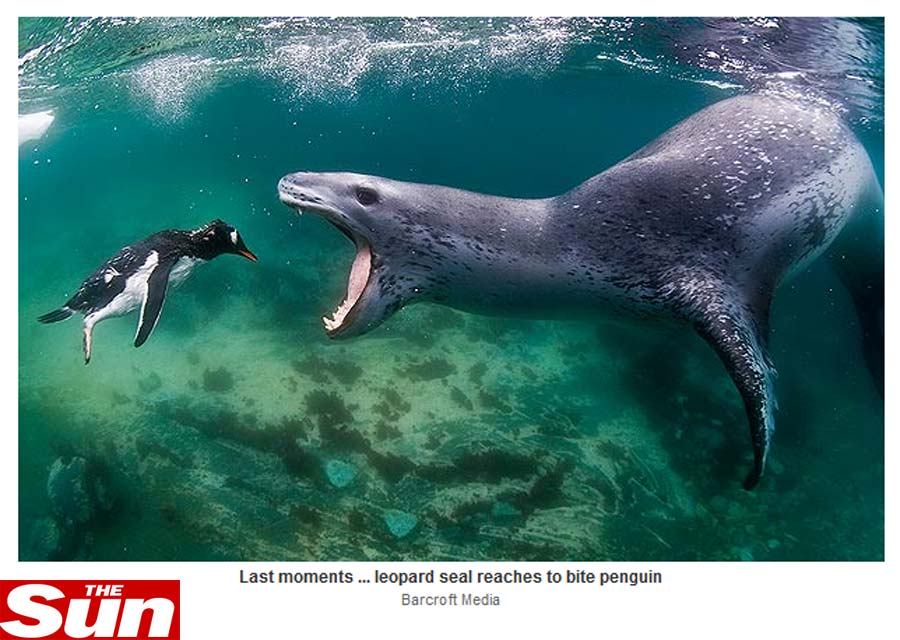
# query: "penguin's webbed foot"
[[87, 342]]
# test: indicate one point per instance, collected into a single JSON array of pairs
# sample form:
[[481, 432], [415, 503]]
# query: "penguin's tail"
[[56, 315]]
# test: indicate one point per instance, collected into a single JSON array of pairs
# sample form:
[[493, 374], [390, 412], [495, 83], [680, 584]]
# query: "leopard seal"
[[700, 225]]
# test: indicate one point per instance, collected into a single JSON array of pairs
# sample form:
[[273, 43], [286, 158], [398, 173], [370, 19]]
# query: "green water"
[[239, 431]]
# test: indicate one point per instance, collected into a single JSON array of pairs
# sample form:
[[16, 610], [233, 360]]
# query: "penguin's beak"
[[242, 250]]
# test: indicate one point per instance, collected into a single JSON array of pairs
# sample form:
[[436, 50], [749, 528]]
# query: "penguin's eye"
[[366, 196], [233, 236]]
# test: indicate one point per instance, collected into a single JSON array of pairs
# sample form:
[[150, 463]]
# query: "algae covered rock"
[[45, 540], [503, 510], [339, 473], [400, 523], [70, 491], [77, 491]]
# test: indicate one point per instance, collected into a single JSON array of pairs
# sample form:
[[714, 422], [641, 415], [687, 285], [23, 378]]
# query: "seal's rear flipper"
[[735, 327], [858, 258]]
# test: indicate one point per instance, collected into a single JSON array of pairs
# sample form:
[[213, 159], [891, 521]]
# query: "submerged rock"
[[150, 383], [339, 473], [44, 540], [504, 510], [431, 369], [744, 554], [218, 380], [400, 523], [70, 491], [77, 491]]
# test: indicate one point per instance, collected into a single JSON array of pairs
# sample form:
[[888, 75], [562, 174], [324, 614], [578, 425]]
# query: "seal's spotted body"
[[700, 225]]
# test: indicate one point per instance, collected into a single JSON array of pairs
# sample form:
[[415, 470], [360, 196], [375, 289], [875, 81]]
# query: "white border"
[[699, 600]]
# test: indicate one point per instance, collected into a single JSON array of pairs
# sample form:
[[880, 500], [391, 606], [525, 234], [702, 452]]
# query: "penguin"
[[139, 274]]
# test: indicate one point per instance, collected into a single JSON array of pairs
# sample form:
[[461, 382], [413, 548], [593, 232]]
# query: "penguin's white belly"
[[182, 270], [131, 297]]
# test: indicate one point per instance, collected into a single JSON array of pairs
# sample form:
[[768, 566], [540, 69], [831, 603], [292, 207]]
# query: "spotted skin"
[[700, 225]]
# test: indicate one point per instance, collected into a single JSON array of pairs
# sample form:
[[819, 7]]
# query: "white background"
[[695, 600]]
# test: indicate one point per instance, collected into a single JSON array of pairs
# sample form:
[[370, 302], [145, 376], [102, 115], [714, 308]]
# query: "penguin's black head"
[[219, 237]]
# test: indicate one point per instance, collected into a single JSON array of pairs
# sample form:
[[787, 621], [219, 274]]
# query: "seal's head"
[[370, 211]]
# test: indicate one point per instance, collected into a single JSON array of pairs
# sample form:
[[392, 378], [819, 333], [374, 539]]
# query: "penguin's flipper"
[[154, 297], [734, 324]]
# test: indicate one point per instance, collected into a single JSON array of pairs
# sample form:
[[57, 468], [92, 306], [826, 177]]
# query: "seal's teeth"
[[359, 277], [334, 321], [337, 318]]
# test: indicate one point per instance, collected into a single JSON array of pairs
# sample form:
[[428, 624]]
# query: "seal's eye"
[[366, 196]]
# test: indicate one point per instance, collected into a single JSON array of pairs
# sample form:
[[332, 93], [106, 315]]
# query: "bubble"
[[172, 84]]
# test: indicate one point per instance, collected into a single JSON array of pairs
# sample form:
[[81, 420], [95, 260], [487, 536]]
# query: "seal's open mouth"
[[360, 272], [356, 284]]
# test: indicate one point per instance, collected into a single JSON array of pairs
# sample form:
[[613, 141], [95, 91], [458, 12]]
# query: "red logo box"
[[64, 609]]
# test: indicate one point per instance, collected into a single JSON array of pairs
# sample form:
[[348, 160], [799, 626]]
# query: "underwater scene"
[[244, 429]]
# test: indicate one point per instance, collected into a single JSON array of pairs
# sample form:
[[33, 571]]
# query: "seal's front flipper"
[[868, 298], [153, 301], [858, 257], [735, 327]]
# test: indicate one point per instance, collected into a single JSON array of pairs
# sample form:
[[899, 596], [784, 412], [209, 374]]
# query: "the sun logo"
[[135, 609]]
